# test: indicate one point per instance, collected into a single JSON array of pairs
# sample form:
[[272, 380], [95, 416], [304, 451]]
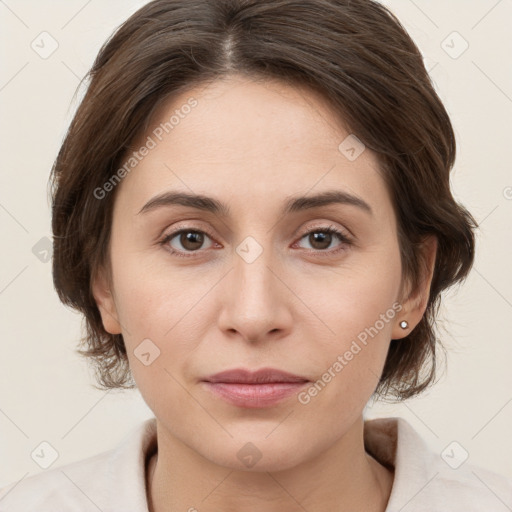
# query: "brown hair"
[[354, 52]]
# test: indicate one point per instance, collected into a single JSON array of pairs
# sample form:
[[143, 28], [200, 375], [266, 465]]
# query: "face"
[[259, 283]]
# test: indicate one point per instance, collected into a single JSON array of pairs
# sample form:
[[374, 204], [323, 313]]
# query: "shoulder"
[[425, 480], [66, 486], [472, 488], [106, 481]]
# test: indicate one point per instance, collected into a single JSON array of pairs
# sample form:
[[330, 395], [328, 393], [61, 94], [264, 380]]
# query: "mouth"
[[263, 388]]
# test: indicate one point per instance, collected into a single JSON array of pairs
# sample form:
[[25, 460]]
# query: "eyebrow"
[[295, 204]]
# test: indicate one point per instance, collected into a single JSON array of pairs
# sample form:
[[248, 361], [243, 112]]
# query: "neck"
[[341, 478]]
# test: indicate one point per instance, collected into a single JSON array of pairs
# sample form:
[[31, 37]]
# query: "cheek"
[[355, 296], [360, 308], [159, 338], [164, 315], [148, 296]]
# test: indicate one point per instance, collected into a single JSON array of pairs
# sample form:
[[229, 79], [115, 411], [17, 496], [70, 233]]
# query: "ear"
[[415, 304], [101, 289]]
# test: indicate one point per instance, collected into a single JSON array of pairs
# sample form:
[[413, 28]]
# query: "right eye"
[[190, 240]]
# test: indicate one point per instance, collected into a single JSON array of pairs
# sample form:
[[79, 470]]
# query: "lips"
[[262, 388], [261, 376]]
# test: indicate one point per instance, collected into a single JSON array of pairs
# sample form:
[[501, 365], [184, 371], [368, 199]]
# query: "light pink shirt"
[[114, 480]]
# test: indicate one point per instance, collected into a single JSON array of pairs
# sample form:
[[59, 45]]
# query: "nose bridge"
[[257, 298], [254, 279]]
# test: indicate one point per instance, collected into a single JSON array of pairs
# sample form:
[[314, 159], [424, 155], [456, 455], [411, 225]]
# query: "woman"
[[252, 210]]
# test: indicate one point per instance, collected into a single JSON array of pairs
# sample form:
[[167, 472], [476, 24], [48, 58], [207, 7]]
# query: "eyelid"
[[185, 225]]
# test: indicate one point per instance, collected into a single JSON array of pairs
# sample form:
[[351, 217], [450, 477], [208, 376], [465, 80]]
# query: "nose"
[[255, 299]]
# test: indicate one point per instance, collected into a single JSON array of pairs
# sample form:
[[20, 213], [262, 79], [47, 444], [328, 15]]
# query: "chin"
[[252, 455]]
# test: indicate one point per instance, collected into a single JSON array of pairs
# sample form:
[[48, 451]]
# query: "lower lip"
[[255, 395]]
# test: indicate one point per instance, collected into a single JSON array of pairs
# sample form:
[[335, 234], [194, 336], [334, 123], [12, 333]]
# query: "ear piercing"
[[404, 324]]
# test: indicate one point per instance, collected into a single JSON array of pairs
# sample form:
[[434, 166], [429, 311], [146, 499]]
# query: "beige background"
[[45, 391]]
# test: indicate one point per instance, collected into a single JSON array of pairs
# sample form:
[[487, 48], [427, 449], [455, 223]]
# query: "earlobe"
[[105, 301], [415, 305]]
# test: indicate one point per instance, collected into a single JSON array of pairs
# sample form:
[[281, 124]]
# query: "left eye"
[[321, 238]]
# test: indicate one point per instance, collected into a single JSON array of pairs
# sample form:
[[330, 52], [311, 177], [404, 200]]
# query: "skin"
[[253, 145]]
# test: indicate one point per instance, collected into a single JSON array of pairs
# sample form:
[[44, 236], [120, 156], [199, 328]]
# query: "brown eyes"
[[192, 240]]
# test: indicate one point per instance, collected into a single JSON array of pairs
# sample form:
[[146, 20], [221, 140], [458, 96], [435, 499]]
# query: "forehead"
[[251, 141]]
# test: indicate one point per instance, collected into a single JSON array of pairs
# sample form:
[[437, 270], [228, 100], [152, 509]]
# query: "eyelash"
[[328, 229]]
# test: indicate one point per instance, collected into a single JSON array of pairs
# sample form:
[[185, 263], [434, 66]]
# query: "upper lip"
[[261, 376]]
